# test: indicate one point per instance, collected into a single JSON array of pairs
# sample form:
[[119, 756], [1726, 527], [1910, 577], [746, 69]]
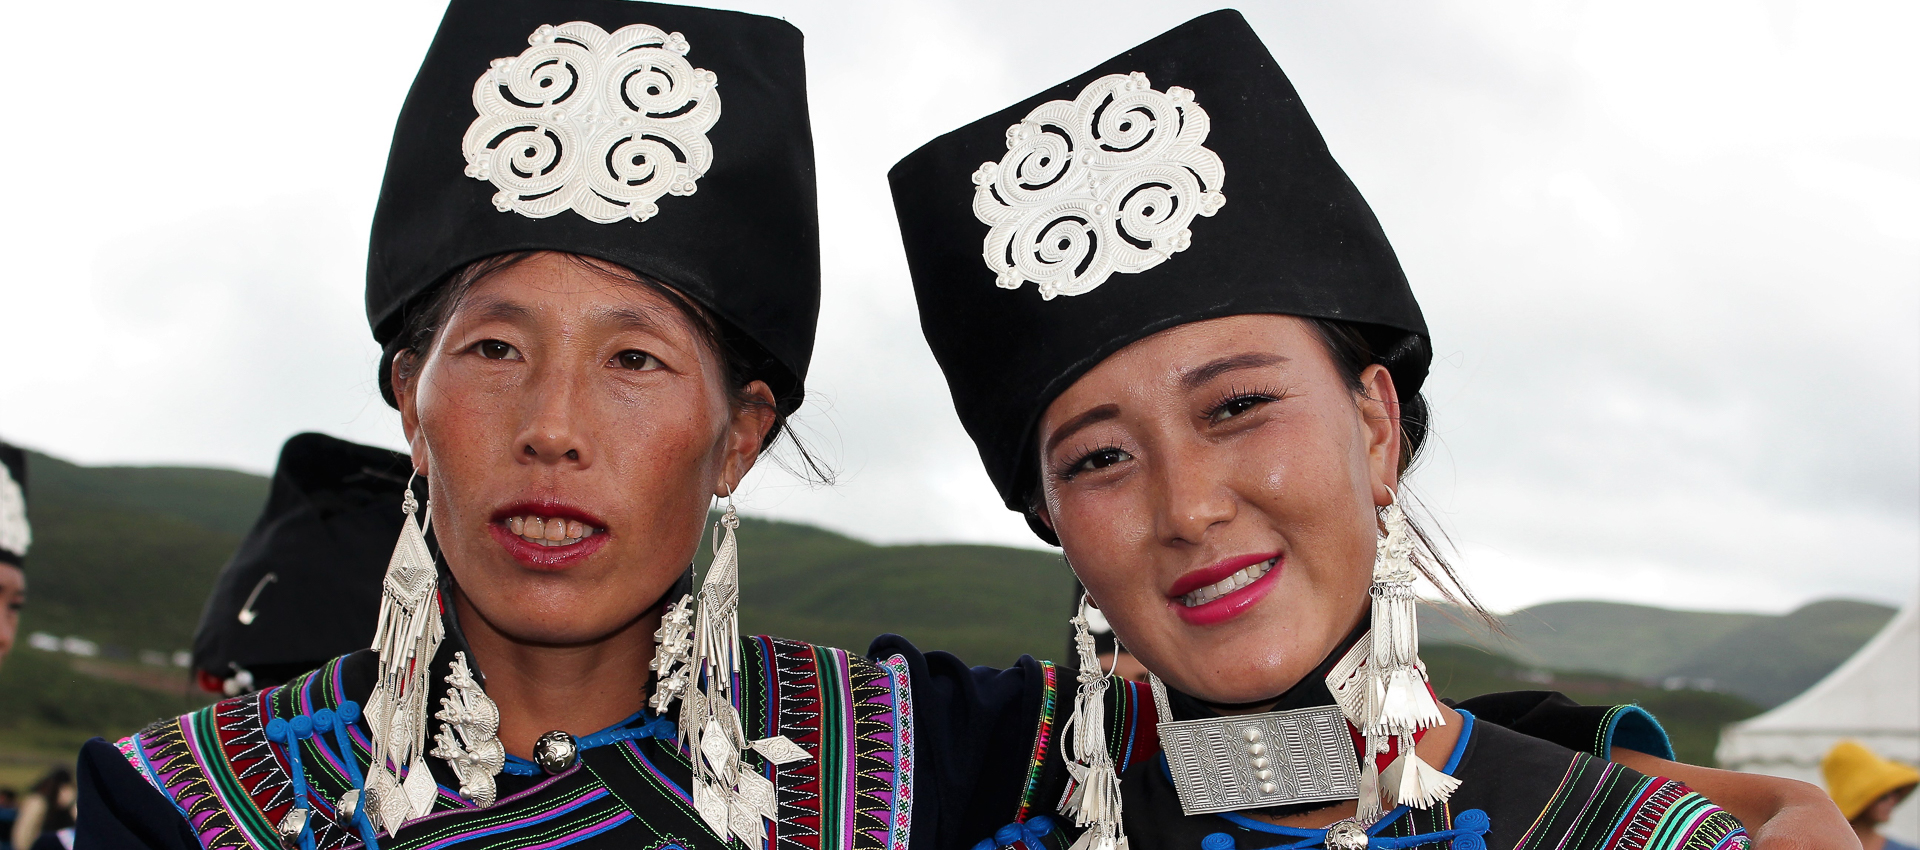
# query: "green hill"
[[1764, 658], [1692, 718], [125, 556]]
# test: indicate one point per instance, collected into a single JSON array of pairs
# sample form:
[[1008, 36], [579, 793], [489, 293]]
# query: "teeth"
[[1228, 585], [549, 531]]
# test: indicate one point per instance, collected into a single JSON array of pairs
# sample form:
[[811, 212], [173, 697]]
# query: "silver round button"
[[555, 752], [1346, 835]]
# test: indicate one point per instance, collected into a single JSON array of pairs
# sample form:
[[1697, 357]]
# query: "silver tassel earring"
[[409, 634], [1094, 800], [728, 798], [1381, 684]]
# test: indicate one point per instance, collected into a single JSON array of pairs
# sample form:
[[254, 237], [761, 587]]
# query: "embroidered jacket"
[[228, 785], [905, 750]]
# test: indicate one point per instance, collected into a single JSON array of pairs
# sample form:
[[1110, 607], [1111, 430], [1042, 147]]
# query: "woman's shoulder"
[[215, 766], [1536, 793]]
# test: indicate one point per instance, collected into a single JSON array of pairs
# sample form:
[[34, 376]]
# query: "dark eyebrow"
[[648, 319], [489, 309], [1198, 377], [1070, 427]]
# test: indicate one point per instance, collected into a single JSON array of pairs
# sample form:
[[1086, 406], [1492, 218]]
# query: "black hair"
[[422, 320], [1353, 348]]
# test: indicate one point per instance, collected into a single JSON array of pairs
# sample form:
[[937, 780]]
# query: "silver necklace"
[[1257, 761]]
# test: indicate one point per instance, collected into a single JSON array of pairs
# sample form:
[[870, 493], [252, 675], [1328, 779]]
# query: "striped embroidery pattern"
[[797, 713], [902, 682], [1042, 736], [1131, 731], [551, 819], [1601, 804], [163, 754]]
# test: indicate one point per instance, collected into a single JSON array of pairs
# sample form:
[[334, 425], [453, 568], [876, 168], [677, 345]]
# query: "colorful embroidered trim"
[[1042, 736]]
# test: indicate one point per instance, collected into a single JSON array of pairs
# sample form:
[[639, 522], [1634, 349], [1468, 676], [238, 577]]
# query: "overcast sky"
[[1669, 251]]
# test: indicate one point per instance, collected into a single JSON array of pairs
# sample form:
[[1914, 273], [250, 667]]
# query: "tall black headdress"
[[16, 536], [1179, 181], [304, 586], [670, 140]]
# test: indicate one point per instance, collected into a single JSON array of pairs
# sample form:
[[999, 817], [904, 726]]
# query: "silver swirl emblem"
[[1108, 182], [600, 124]]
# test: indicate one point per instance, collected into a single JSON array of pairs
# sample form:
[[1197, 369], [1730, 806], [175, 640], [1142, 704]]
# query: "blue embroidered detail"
[[654, 727], [1032, 832]]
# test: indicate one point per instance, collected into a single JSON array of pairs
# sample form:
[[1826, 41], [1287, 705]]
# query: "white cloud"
[[1668, 251]]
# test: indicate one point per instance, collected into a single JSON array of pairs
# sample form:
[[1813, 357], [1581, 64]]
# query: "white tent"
[[1873, 698]]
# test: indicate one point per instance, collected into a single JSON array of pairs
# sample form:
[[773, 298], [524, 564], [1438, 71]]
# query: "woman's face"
[[572, 427], [1214, 486]]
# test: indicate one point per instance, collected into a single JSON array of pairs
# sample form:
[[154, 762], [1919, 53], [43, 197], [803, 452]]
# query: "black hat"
[[607, 137], [15, 534], [304, 586], [1180, 181]]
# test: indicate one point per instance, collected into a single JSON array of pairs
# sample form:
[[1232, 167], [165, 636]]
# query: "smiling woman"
[[1210, 406]]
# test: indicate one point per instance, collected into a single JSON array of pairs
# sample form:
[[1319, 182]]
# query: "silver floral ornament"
[[601, 124], [1105, 183]]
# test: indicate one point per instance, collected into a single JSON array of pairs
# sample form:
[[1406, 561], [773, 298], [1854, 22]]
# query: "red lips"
[[547, 558], [1232, 604]]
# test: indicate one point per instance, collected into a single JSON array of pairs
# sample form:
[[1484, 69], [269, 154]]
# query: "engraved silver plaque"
[[1253, 761]]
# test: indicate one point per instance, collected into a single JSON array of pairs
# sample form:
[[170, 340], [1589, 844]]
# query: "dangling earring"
[[727, 797], [409, 634], [1381, 684], [1094, 800]]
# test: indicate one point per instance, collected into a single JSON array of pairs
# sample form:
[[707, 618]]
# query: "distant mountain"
[[1692, 718], [1764, 658]]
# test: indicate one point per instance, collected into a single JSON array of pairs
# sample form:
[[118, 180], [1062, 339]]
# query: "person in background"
[[9, 810], [15, 537], [47, 808], [1867, 788]]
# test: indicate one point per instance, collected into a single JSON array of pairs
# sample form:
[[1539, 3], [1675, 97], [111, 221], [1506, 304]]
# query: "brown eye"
[[494, 349], [638, 361], [1235, 406], [1098, 459]]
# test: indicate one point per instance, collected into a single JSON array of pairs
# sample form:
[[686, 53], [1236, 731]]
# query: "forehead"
[[1169, 358], [559, 288], [12, 579]]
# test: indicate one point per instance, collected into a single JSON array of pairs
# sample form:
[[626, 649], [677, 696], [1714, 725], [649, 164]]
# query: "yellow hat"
[[1856, 777]]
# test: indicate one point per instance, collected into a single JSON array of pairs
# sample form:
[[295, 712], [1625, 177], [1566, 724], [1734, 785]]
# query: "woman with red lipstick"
[[1188, 354], [594, 274]]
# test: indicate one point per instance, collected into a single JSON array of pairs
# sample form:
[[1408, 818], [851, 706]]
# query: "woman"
[[584, 357], [1209, 405]]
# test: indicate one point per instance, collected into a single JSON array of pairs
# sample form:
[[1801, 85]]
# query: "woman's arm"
[[1780, 814]]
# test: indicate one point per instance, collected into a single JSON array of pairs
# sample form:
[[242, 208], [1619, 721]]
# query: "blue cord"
[[340, 721], [654, 727], [289, 735]]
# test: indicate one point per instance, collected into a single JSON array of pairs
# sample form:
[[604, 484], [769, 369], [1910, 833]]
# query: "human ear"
[[1379, 404], [407, 398], [753, 418]]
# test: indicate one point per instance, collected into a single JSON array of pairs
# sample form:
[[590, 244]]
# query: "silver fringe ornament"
[[1381, 685], [728, 795], [469, 736], [1093, 801], [672, 662], [409, 634]]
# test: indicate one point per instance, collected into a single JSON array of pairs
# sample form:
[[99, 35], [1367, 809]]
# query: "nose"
[[1195, 496], [553, 432]]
